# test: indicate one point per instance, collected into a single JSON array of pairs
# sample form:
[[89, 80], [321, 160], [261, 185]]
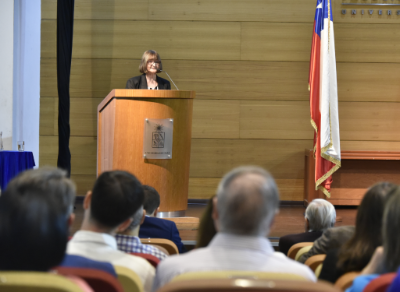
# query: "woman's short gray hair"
[[321, 215]]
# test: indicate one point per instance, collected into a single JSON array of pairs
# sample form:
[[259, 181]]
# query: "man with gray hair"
[[319, 216], [129, 241], [246, 204]]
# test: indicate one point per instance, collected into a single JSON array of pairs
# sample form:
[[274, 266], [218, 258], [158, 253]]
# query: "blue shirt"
[[75, 261]]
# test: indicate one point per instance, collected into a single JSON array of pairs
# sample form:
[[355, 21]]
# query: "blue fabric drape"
[[12, 163]]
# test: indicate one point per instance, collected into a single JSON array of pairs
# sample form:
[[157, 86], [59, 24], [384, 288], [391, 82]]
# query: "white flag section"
[[329, 108]]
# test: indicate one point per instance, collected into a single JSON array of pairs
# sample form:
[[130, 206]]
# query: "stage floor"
[[289, 220]]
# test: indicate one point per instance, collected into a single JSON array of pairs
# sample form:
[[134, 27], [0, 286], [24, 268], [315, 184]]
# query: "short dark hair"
[[116, 196], [151, 199], [34, 210]]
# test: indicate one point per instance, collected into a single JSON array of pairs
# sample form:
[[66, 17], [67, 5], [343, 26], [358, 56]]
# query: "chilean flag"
[[324, 98]]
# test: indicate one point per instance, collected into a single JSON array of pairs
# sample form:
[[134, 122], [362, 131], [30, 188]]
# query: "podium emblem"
[[157, 138]]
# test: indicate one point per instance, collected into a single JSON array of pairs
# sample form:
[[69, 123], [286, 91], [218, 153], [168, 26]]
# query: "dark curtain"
[[65, 25]]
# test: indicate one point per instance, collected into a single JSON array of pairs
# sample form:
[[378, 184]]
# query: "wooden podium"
[[120, 133]]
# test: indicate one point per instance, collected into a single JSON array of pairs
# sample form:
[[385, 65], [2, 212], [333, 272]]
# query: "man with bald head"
[[246, 204]]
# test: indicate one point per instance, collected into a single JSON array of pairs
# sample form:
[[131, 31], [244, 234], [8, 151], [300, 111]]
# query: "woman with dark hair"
[[386, 259], [355, 254], [207, 229], [150, 65]]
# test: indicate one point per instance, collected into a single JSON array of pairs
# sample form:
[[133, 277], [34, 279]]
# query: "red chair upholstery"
[[99, 281], [381, 283], [154, 261]]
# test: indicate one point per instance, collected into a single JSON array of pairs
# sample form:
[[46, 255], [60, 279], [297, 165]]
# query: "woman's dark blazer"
[[140, 82]]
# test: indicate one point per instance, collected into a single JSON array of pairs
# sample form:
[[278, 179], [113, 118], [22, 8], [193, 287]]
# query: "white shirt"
[[103, 247], [230, 252]]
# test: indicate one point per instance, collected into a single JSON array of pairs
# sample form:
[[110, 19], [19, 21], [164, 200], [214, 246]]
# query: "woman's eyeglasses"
[[153, 62]]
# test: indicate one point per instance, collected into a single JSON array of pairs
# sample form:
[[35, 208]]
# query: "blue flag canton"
[[321, 12]]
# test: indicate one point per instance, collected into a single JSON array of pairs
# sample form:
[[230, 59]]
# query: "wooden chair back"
[[36, 281], [248, 285], [296, 247], [314, 261], [169, 245], [98, 280], [255, 275], [154, 261], [381, 283], [318, 270], [302, 251], [129, 280], [346, 280]]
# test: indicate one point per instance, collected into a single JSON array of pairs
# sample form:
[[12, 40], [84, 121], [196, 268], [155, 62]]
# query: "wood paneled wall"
[[247, 60]]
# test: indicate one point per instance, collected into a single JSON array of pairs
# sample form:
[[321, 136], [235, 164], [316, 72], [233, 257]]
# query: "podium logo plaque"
[[157, 140]]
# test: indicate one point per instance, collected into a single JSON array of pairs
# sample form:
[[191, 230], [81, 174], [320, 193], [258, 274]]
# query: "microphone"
[[170, 79]]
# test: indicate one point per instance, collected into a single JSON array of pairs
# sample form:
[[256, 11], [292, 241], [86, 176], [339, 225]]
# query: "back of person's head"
[[320, 214], [151, 199], [247, 201], [116, 196], [207, 229], [136, 220], [34, 211], [391, 234], [355, 254]]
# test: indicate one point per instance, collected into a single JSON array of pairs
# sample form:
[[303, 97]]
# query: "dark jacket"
[[287, 241], [153, 227], [140, 82]]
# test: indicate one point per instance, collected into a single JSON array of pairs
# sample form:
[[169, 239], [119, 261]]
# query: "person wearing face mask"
[[149, 66]]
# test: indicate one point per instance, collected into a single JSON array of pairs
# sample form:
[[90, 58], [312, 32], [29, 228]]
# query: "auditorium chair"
[[99, 281], [302, 251], [129, 280], [254, 275], [35, 281], [318, 271], [154, 261], [169, 245], [246, 285], [346, 280], [314, 261], [296, 247], [381, 283]]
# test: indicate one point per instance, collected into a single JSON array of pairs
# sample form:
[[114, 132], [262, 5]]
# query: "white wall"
[[26, 110], [6, 71]]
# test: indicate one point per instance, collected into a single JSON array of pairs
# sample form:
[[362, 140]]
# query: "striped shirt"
[[127, 243]]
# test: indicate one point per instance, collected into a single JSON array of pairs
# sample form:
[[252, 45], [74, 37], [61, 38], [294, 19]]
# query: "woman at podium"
[[149, 66]]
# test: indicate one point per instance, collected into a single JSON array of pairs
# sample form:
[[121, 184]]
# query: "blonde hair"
[[148, 55]]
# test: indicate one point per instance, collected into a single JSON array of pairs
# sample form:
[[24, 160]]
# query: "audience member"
[[109, 207], [331, 238], [247, 201], [128, 240], [34, 199], [386, 259], [206, 229], [319, 216], [355, 254], [154, 227]]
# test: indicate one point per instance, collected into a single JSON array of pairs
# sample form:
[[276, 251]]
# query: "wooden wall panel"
[[367, 42], [83, 116], [205, 188], [369, 121], [176, 40], [275, 120], [215, 119], [101, 9], [225, 79], [213, 158], [83, 153], [236, 10], [276, 41]]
